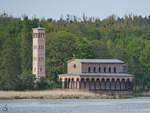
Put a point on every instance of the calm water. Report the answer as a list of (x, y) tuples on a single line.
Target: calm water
[(135, 105)]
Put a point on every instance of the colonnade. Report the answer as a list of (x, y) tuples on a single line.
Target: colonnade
[(108, 84)]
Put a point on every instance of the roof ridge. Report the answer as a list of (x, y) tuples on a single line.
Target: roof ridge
[(100, 60)]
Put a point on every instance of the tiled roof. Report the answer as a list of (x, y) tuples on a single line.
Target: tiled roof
[(99, 74), (99, 61)]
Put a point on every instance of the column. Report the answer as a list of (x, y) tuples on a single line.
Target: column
[(69, 83), (63, 83), (72, 83), (75, 84), (78, 84)]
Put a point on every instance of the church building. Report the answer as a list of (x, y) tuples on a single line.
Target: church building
[(90, 74), (97, 75)]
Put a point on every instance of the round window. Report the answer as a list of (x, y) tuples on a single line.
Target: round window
[(74, 65)]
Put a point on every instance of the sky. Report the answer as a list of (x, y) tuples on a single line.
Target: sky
[(57, 8)]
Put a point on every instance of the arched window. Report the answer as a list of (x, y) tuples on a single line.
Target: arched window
[(43, 35), (104, 69), (38, 35), (94, 70), (89, 69), (109, 69), (40, 69), (114, 69), (99, 69)]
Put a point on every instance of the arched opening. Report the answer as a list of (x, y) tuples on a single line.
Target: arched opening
[(94, 70), (128, 85), (109, 69), (107, 84), (114, 69), (97, 85), (39, 35), (60, 83), (43, 35), (89, 69), (66, 83), (99, 69), (118, 85), (87, 82), (103, 84), (104, 69), (123, 85), (92, 84), (82, 84), (113, 84)]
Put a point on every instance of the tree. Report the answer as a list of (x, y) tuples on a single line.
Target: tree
[(44, 83), (60, 47), (83, 49), (10, 64), (26, 45), (100, 50), (26, 81)]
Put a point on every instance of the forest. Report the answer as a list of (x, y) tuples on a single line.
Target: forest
[(126, 38)]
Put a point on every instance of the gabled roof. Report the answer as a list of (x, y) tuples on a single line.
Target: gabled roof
[(99, 74), (99, 61)]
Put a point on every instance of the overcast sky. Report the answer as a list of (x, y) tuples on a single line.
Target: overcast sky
[(56, 8)]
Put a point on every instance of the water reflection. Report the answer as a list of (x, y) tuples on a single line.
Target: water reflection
[(135, 105)]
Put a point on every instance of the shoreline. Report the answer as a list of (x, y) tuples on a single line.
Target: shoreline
[(61, 94)]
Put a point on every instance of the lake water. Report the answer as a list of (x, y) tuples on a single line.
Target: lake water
[(134, 105)]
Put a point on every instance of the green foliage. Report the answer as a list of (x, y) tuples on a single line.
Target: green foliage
[(10, 65), (100, 50), (126, 38), (26, 45), (44, 83), (60, 47), (25, 81)]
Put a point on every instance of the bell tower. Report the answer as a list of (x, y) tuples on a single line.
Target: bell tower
[(38, 61)]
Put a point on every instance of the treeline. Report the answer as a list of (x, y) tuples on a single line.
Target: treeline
[(126, 38)]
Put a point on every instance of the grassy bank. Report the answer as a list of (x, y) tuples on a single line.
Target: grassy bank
[(58, 94), (142, 94)]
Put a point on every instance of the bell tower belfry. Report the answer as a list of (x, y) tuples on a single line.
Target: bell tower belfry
[(38, 61)]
